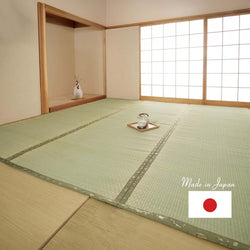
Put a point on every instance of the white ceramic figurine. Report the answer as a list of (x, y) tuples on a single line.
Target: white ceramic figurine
[(77, 90)]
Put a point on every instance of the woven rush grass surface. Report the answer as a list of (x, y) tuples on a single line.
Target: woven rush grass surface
[(90, 149), (21, 135), (208, 143), (96, 153)]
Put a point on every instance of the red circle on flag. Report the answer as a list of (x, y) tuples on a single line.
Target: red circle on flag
[(209, 205)]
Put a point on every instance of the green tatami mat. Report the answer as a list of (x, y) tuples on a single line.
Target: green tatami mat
[(103, 156), (90, 149), (208, 142), (18, 136)]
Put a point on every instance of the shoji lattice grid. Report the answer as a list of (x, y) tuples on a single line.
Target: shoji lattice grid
[(172, 60), (228, 58)]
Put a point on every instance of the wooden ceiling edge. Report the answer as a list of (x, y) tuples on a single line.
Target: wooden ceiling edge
[(81, 22), (60, 13), (179, 19)]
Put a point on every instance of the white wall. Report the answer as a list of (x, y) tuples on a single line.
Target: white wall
[(89, 59), (19, 69), (19, 57), (123, 63), (132, 11), (61, 60)]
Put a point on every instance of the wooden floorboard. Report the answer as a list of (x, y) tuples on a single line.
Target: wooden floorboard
[(100, 226), (32, 210)]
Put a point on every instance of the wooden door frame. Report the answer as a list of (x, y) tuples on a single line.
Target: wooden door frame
[(43, 10)]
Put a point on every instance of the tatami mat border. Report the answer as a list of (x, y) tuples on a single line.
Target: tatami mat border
[(140, 172), (12, 157)]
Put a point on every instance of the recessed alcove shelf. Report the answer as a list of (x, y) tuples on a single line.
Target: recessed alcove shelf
[(63, 102), (69, 46)]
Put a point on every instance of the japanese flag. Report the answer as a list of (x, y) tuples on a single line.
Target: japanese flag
[(209, 204)]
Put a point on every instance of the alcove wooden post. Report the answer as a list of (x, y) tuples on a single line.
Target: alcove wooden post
[(43, 58)]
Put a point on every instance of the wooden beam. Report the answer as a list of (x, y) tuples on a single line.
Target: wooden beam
[(63, 21), (139, 63), (80, 25), (104, 64), (59, 21), (43, 58), (181, 19), (57, 12)]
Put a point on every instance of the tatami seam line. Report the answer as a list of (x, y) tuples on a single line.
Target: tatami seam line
[(128, 189), (12, 157)]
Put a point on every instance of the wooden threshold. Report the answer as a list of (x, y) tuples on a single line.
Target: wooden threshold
[(194, 101), (228, 104), (176, 100), (72, 103)]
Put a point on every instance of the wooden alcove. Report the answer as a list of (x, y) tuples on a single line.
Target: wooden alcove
[(49, 14)]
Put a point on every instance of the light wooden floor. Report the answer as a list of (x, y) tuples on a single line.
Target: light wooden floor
[(100, 226), (33, 215), (32, 210)]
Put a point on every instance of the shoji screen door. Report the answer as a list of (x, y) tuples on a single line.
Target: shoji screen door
[(172, 60), (200, 61), (228, 58)]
